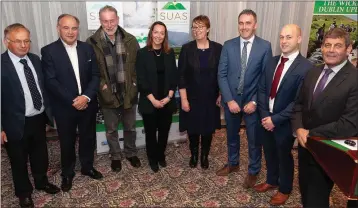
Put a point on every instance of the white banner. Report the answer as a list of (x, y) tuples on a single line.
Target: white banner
[(93, 10)]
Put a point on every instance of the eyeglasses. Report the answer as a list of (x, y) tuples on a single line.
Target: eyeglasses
[(19, 42), (198, 28)]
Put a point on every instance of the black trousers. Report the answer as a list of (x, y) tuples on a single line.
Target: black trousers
[(33, 146), (315, 185), (205, 143), (66, 127), (158, 121)]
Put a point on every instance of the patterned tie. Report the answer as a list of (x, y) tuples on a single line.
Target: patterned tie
[(277, 77), (35, 94), (322, 82), (243, 68)]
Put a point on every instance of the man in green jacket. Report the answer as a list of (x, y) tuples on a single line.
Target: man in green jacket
[(116, 52)]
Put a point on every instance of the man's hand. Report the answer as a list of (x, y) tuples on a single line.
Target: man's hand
[(104, 87), (218, 101), (233, 106), (164, 101), (267, 123), (250, 107), (80, 102), (157, 104), (185, 105), (302, 135), (3, 137)]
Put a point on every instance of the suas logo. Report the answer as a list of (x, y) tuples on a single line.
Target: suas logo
[(173, 6)]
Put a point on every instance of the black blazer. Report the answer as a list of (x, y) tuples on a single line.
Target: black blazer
[(286, 96), (147, 78), (13, 99), (334, 112), (60, 79)]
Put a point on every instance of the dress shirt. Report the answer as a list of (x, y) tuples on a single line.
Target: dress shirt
[(335, 70), (287, 65), (19, 67), (249, 46)]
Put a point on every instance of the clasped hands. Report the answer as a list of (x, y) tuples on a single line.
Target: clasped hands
[(249, 108), (80, 102), (160, 103)]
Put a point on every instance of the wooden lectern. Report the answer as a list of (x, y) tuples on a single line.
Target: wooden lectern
[(339, 162)]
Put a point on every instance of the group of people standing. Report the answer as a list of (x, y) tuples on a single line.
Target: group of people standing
[(278, 98)]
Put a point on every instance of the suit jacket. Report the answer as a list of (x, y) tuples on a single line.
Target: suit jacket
[(189, 79), (286, 94), (13, 99), (334, 112), (230, 69), (147, 78), (60, 79)]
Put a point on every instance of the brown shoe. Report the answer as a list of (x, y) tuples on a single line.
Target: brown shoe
[(250, 181), (279, 199), (226, 170), (263, 187)]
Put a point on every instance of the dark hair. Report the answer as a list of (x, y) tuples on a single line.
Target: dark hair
[(165, 44), (67, 15), (248, 12), (202, 19), (13, 27), (337, 33)]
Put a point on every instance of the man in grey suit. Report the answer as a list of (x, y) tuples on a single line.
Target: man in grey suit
[(241, 63)]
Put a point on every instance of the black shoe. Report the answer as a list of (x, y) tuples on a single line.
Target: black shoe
[(26, 202), (66, 184), (49, 188), (134, 161), (204, 161), (193, 161), (93, 174), (116, 165), (154, 166), (163, 163)]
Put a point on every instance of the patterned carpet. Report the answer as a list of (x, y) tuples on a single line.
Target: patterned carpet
[(174, 186)]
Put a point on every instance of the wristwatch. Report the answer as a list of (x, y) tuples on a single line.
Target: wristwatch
[(253, 102)]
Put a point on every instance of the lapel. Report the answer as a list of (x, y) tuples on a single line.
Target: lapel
[(313, 82), (293, 66), (81, 63), (255, 47), (211, 54), (332, 85), (271, 74), (196, 60), (237, 50), (10, 69), (66, 61), (152, 70)]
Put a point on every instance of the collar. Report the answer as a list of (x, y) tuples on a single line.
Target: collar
[(251, 40), (292, 56), (336, 69), (15, 58), (69, 46)]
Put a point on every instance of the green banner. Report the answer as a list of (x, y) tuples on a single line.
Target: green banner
[(336, 7)]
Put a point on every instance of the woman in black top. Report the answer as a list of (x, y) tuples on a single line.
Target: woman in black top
[(157, 81), (199, 91)]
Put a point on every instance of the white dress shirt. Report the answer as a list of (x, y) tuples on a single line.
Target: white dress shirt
[(248, 47), (72, 54), (335, 70), (287, 65), (19, 67)]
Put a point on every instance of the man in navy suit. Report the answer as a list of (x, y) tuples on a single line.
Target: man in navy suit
[(278, 89), (72, 80), (24, 112), (241, 63)]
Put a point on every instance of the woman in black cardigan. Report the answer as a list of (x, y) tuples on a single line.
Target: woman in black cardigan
[(157, 81), (199, 91)]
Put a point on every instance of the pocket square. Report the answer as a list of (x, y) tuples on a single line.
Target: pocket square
[(89, 60)]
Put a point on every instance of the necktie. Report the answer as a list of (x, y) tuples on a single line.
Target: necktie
[(35, 94), (243, 68), (277, 77), (322, 83)]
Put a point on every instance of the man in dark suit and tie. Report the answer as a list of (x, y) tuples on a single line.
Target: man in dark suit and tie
[(24, 108), (72, 80), (241, 63), (278, 89), (327, 106)]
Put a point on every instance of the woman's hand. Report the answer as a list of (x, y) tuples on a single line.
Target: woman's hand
[(164, 101), (185, 105), (218, 101), (157, 104)]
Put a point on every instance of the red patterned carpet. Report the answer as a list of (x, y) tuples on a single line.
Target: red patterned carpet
[(174, 186)]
